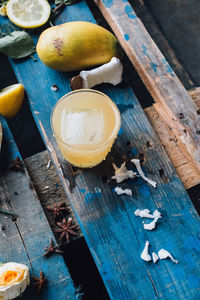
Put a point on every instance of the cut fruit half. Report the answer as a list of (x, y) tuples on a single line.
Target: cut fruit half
[(28, 13), (11, 99)]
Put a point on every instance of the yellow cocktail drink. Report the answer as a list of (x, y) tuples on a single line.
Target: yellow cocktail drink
[(85, 123)]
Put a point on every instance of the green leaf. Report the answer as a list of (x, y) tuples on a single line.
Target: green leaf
[(67, 2), (17, 44)]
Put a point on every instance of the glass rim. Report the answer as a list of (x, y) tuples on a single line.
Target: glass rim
[(91, 147)]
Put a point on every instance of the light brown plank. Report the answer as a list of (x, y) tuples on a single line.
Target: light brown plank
[(183, 165), (166, 89)]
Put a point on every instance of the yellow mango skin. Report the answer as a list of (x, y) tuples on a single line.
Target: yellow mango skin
[(76, 45)]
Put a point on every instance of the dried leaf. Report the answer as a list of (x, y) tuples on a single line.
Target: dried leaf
[(17, 44)]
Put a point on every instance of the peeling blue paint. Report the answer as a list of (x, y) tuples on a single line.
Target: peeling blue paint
[(144, 190), (153, 66), (144, 49), (123, 107), (89, 197), (120, 131), (164, 60), (179, 273), (107, 270), (134, 151), (108, 3), (189, 260), (82, 190), (169, 70), (129, 11), (193, 281), (126, 36), (192, 242)]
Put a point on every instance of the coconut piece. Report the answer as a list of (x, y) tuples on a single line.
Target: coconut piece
[(143, 213), (15, 284), (110, 72), (120, 191), (163, 254), (122, 173), (139, 169), (145, 254), (155, 257), (152, 225)]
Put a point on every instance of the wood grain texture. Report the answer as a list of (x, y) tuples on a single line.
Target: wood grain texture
[(24, 240), (48, 187), (114, 235), (156, 73), (181, 162)]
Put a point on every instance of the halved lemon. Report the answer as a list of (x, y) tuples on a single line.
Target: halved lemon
[(28, 13), (11, 99)]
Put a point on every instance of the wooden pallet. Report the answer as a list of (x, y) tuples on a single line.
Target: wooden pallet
[(23, 239), (114, 235)]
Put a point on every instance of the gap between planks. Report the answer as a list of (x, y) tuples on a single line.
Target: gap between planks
[(179, 158)]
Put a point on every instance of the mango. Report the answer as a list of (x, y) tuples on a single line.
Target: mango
[(76, 45)]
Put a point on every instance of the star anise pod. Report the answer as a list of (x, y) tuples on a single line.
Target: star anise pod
[(57, 210), (17, 165), (66, 228), (51, 249), (40, 282)]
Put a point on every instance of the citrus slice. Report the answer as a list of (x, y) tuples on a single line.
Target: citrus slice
[(11, 99), (28, 13)]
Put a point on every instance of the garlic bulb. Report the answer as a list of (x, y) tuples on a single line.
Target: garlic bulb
[(14, 279)]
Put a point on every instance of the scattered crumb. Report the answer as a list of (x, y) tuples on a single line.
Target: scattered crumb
[(152, 225), (120, 191), (163, 254), (155, 257), (49, 164), (143, 213), (122, 173), (139, 169), (54, 88)]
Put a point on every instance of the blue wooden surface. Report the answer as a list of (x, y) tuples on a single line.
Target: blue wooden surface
[(24, 241), (114, 235)]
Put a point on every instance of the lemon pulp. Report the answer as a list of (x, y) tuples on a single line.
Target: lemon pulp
[(28, 13)]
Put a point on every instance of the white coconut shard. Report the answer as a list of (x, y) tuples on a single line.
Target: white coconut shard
[(152, 225), (139, 169), (155, 257), (120, 191), (122, 173), (163, 254), (157, 214), (143, 213), (145, 253), (49, 164), (110, 72)]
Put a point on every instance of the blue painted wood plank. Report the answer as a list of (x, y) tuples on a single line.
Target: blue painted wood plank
[(114, 235), (24, 241), (158, 76)]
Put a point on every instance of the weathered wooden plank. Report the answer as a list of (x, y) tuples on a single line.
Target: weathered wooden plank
[(144, 13), (180, 161), (48, 187), (24, 239), (114, 235), (157, 75)]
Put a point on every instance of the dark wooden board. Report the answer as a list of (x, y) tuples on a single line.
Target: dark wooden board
[(114, 235), (24, 240)]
